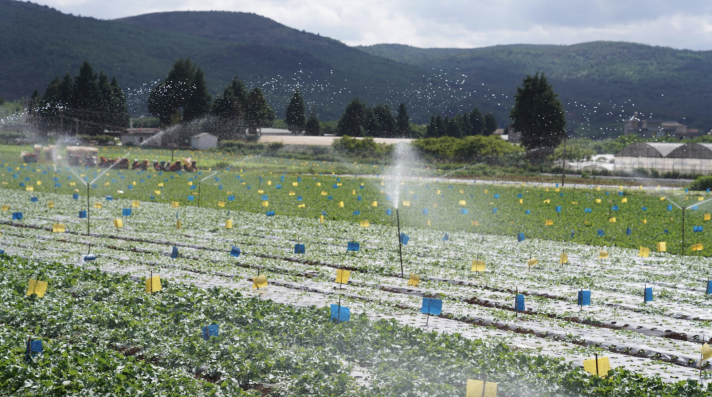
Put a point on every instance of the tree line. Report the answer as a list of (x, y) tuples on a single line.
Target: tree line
[(461, 125)]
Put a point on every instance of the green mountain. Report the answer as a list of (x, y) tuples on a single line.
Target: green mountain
[(600, 82)]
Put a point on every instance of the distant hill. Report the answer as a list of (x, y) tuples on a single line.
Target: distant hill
[(39, 42), (670, 84)]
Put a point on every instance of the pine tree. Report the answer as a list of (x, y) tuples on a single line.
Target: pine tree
[(440, 126), (118, 108), (538, 115), (258, 113), (313, 127), (352, 120), (403, 122), (171, 96), (228, 111), (295, 114), (197, 104), (476, 122), (86, 101), (386, 121), (432, 130), (465, 125), (490, 124), (452, 128)]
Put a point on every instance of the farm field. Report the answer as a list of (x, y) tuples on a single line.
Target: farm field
[(536, 350)]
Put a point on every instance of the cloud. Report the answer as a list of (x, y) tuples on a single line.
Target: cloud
[(456, 23)]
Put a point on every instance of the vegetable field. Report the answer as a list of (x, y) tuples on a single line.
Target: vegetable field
[(478, 249)]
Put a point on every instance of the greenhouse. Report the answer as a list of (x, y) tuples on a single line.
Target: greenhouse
[(694, 158)]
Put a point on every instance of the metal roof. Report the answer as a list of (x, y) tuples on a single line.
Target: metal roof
[(648, 149)]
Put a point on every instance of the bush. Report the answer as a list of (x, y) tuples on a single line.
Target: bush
[(365, 147), (701, 183), (469, 149)]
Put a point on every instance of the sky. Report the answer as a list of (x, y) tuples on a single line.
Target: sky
[(682, 24)]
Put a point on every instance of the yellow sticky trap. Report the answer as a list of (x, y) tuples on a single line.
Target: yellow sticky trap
[(160, 184), (612, 220), (474, 223), (706, 352), (259, 281), (292, 194), (662, 198), (700, 198), (190, 183), (557, 190), (598, 201), (438, 192), (133, 183), (364, 223), (260, 191), (295, 183), (39, 183), (662, 246), (532, 262), (269, 183), (548, 222), (564, 258), (435, 205), (153, 284), (37, 287), (478, 388), (697, 247), (602, 254), (374, 204), (107, 183), (574, 202), (406, 203), (645, 221), (547, 201), (353, 192), (5, 208), (521, 201), (178, 224), (97, 206), (30, 189), (707, 217), (478, 266), (428, 223), (485, 191), (265, 204), (342, 276), (414, 280), (321, 218), (175, 204), (601, 369), (463, 202), (58, 228), (324, 193), (625, 200), (319, 183), (228, 224), (221, 204), (135, 204), (644, 252), (50, 204), (598, 188), (302, 206), (118, 223), (341, 204)]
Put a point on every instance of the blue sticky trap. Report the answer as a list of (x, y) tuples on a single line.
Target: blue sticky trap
[(220, 187), (432, 306), (669, 207), (389, 212), (644, 208), (329, 197), (614, 208), (130, 187), (113, 181), (335, 186), (82, 214), (174, 252), (520, 237), (620, 193), (709, 287), (519, 195), (425, 211), (269, 213), (600, 233), (694, 208), (557, 185), (697, 229), (584, 298), (388, 198), (519, 303), (494, 210), (607, 194), (446, 237), (57, 184), (648, 296), (265, 197), (89, 257), (352, 246), (358, 198), (527, 212), (463, 211), (33, 199), (191, 198), (357, 212), (109, 198), (561, 195), (231, 198), (558, 208), (340, 314), (299, 179), (235, 251), (496, 196), (299, 198), (22, 184), (299, 249), (665, 231), (572, 234), (249, 187), (193, 187), (404, 238), (628, 231), (587, 210), (210, 331), (2, 252), (152, 197), (17, 216), (278, 186), (360, 187), (323, 213), (126, 212), (33, 349)]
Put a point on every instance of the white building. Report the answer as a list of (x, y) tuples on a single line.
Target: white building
[(204, 141), (137, 136)]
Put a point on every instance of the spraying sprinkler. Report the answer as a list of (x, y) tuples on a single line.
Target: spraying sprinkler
[(400, 243)]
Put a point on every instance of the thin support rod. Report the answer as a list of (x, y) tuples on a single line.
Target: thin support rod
[(400, 243)]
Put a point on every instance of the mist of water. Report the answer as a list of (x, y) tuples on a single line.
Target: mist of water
[(406, 162)]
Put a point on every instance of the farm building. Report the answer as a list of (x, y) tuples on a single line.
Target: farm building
[(693, 158), (137, 136), (204, 141)]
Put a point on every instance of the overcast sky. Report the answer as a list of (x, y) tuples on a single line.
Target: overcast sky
[(454, 23)]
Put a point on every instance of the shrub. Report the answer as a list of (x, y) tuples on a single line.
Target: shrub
[(365, 147), (467, 149), (701, 183)]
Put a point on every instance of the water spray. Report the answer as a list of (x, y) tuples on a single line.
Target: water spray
[(400, 242)]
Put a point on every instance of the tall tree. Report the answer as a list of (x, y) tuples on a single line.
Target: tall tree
[(432, 130), (313, 127), (403, 122), (228, 111), (197, 104), (386, 121), (476, 122), (258, 113), (295, 113), (538, 115), (352, 120), (490, 124), (440, 126), (183, 92)]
